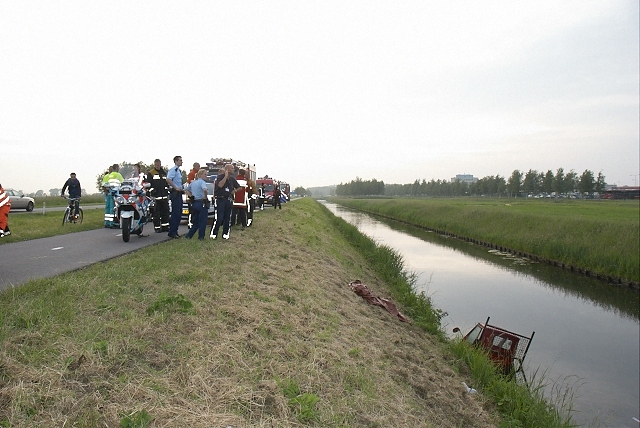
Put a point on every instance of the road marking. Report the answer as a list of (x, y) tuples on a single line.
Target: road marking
[(57, 248)]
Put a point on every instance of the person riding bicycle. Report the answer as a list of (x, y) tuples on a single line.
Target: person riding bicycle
[(73, 184)]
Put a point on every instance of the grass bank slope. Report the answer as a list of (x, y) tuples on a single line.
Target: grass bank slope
[(602, 237), (261, 330)]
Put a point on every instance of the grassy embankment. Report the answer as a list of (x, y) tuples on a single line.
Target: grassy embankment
[(27, 226), (260, 330), (601, 237)]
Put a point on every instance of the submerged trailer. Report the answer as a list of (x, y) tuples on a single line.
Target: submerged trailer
[(506, 349)]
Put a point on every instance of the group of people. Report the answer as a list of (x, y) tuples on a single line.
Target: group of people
[(163, 187), (232, 196)]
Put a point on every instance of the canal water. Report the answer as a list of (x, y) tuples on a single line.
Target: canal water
[(587, 333)]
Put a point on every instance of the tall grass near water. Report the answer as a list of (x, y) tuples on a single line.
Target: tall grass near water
[(602, 237)]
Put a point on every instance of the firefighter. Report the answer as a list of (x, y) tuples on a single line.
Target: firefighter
[(277, 194), (240, 201), (159, 191), (262, 195), (252, 195), (5, 206)]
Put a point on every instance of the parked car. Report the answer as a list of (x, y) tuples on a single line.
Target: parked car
[(19, 201)]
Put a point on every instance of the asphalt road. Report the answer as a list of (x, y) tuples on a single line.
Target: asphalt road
[(47, 257)]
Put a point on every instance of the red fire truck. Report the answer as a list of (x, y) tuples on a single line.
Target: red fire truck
[(285, 189), (270, 185)]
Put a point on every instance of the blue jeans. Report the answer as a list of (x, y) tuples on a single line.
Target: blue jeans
[(199, 219), (176, 213), (223, 215)]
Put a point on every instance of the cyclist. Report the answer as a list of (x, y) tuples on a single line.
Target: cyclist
[(74, 193)]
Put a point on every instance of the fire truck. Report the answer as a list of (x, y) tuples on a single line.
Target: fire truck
[(270, 185), (285, 189), (213, 167)]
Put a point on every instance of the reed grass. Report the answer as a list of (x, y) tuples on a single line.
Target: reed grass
[(520, 404)]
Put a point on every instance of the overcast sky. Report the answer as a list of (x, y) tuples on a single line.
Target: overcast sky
[(319, 92)]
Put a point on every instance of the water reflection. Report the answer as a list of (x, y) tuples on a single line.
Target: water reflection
[(587, 332), (609, 297)]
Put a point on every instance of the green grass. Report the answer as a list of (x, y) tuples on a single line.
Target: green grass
[(27, 226), (205, 339), (57, 201), (600, 236)]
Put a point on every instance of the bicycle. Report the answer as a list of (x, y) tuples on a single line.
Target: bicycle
[(69, 215)]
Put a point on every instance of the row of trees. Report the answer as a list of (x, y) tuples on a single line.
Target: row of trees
[(359, 187), (534, 182), (518, 184)]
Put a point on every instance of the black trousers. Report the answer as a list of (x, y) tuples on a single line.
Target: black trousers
[(161, 214)]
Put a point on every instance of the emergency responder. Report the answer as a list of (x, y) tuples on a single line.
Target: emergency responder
[(253, 193), (174, 179), (224, 188), (240, 201), (277, 194), (262, 195), (5, 207), (111, 180), (197, 189), (190, 177), (159, 191)]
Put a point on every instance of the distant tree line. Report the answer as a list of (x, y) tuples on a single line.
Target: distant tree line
[(518, 184), (360, 187)]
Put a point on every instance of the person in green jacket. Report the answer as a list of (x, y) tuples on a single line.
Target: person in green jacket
[(111, 179)]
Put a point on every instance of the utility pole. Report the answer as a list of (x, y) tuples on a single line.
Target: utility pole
[(635, 179)]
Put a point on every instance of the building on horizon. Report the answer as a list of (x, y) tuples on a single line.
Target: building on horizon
[(464, 178)]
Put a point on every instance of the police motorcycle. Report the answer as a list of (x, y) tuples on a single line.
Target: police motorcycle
[(133, 207)]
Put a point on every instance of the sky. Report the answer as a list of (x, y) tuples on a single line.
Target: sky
[(319, 93)]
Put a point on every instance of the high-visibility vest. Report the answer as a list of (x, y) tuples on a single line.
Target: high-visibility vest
[(4, 199)]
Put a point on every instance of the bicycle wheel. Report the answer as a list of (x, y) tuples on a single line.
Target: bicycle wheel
[(80, 216), (65, 218)]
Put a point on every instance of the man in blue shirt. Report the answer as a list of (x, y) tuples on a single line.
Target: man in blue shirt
[(198, 190), (174, 179)]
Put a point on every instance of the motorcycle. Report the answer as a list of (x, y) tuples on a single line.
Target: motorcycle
[(132, 207)]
